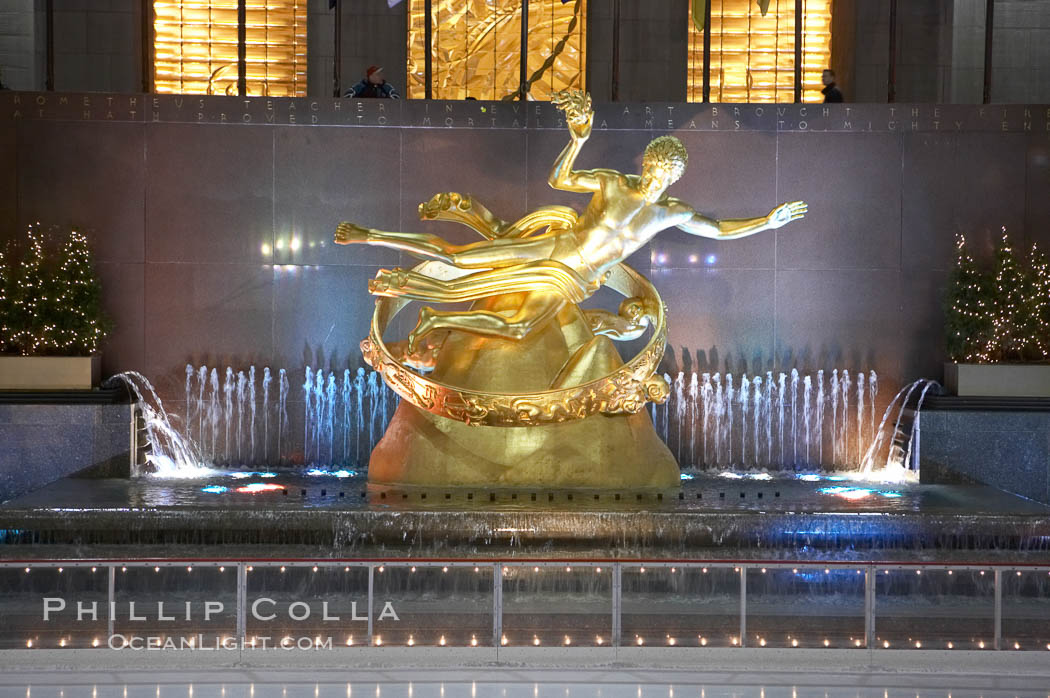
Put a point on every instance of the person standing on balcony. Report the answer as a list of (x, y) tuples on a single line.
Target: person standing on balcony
[(831, 91), (374, 85)]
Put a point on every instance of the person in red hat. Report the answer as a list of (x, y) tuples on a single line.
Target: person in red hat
[(374, 85)]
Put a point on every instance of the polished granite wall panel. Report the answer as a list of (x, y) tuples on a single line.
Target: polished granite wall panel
[(123, 299), (839, 318), (325, 175), (209, 193), (36, 453), (1009, 450), (8, 181), (1037, 194), (489, 164), (852, 183), (730, 175), (972, 184), (320, 315), (214, 314), (723, 318), (920, 323), (85, 175)]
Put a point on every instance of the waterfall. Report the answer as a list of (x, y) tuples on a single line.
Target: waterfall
[(241, 396), (228, 389), (347, 388), (807, 384), (266, 414), (820, 416), (794, 416), (282, 409), (251, 406), (745, 403)]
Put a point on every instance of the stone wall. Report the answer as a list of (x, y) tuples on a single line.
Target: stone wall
[(213, 235), (1008, 450), (44, 442)]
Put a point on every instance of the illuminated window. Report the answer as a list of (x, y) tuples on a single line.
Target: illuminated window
[(476, 48), (195, 47), (753, 56)]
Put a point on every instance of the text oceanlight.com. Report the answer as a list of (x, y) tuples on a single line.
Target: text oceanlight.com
[(199, 643)]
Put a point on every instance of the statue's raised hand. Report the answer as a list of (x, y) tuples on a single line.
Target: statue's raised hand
[(785, 213), (348, 233), (578, 112)]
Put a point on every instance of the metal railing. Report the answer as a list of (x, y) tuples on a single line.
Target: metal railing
[(507, 576)]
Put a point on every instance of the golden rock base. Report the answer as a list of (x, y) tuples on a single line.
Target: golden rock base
[(425, 450)]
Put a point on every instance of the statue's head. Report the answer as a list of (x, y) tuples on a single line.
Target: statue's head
[(662, 164)]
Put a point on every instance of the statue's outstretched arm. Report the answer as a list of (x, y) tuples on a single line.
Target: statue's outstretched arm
[(729, 228), (579, 116)]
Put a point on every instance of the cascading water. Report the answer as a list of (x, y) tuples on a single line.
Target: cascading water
[(222, 425), (172, 453), (776, 421)]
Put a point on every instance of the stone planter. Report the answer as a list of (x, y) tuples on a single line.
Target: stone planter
[(49, 372), (999, 380)]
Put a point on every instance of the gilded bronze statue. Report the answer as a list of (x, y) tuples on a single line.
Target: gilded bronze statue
[(525, 356)]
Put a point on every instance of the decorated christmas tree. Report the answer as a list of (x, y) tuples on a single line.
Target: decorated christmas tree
[(1040, 301), (1001, 316), (51, 299), (5, 306), (79, 323), (968, 302)]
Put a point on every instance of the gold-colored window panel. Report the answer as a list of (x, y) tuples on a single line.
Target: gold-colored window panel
[(195, 47), (753, 56), (476, 48)]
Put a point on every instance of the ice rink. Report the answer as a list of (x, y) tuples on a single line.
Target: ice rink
[(518, 683)]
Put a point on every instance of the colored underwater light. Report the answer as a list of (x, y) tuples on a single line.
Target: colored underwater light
[(243, 475), (260, 487), (851, 493), (890, 495), (688, 476), (215, 489), (809, 477), (322, 472)]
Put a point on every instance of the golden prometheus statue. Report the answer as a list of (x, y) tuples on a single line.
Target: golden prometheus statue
[(525, 389)]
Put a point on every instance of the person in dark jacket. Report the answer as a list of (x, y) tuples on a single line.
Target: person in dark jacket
[(374, 85), (831, 91)]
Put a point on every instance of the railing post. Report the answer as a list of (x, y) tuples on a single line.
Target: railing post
[(242, 603), (497, 605), (371, 586), (523, 58), (989, 31), (242, 48), (869, 606), (112, 596), (617, 601), (998, 609), (743, 605), (800, 20), (428, 39)]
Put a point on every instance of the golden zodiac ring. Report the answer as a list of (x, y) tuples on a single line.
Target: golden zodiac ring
[(624, 391)]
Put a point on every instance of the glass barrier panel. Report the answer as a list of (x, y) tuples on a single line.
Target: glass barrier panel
[(303, 606), (175, 607), (557, 605), (680, 606), (53, 607), (433, 605), (1026, 610), (805, 607), (939, 609)]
